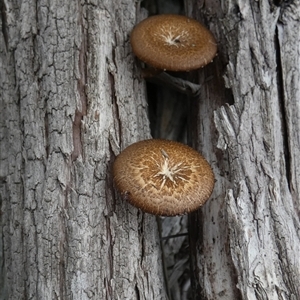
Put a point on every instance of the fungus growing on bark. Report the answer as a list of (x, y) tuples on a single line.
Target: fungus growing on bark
[(163, 177), (173, 43)]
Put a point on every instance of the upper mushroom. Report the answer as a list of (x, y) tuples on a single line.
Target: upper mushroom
[(163, 177), (173, 43)]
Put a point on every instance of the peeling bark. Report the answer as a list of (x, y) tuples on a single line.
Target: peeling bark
[(249, 243)]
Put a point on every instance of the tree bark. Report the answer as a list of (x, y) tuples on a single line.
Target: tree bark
[(71, 100), (245, 241)]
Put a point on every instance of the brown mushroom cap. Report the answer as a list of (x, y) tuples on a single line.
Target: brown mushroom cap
[(163, 177), (173, 43)]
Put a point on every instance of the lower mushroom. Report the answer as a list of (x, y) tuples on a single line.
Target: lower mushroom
[(163, 177)]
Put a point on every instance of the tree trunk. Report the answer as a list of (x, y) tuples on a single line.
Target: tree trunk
[(245, 241), (71, 100)]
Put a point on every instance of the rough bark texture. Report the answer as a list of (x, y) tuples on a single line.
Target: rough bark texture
[(69, 103), (71, 99), (246, 240)]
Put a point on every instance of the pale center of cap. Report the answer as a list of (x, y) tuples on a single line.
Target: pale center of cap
[(169, 171), (171, 37)]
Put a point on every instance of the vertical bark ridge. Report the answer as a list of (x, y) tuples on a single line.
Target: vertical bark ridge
[(287, 38)]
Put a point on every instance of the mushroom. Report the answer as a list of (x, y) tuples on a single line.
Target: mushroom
[(173, 43), (163, 177)]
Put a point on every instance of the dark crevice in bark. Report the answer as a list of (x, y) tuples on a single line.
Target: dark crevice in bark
[(4, 22), (115, 107), (81, 84), (111, 73), (110, 194), (140, 217), (111, 206), (63, 244), (2, 270), (280, 85), (283, 3), (110, 256), (137, 292), (46, 126), (168, 118), (195, 239), (165, 272), (169, 114), (77, 144)]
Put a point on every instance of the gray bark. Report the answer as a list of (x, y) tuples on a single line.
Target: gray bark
[(248, 124), (71, 99)]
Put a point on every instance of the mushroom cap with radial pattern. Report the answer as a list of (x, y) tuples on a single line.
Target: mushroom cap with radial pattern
[(173, 43), (163, 177)]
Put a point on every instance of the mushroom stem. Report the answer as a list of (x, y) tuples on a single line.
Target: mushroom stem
[(174, 236), (180, 85)]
